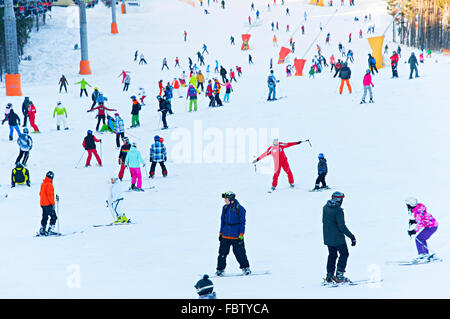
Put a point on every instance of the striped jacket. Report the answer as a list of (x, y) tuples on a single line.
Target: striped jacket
[(158, 152)]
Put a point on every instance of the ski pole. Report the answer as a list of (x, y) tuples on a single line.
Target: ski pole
[(80, 159), (307, 141), (57, 212)]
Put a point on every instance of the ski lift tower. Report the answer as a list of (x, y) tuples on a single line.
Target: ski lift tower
[(84, 63), (12, 76)]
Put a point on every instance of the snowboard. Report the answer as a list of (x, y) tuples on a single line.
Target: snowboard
[(253, 273)]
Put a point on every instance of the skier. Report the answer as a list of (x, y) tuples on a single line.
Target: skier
[(232, 76), (123, 74), (142, 95), (31, 116), (372, 63), (133, 160), (158, 154), (119, 128), (209, 94), (168, 95), (101, 115), (200, 80), (164, 107), (13, 121), (334, 232), (61, 116), (413, 65), (275, 41), (115, 201), (126, 82), (426, 225), (303, 29), (232, 40), (192, 95), (177, 62), (25, 143), (272, 83), (136, 55), (176, 87), (322, 170), (94, 97), (47, 202), (204, 49), (83, 84), (368, 85), (205, 287), (217, 87), (161, 86), (394, 63), (332, 62), (345, 74), (223, 74), (228, 90), (26, 102), (63, 83), (399, 50), (421, 57), (280, 160), (142, 59), (164, 64), (136, 107), (250, 60), (232, 230), (185, 36), (239, 70), (20, 175), (89, 145), (122, 155)]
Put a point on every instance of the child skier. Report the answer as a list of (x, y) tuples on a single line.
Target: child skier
[(115, 201), (25, 143), (20, 175), (228, 90), (13, 121), (192, 95), (142, 95), (322, 170), (426, 226)]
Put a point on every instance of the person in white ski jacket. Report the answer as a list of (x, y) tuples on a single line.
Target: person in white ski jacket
[(142, 95), (115, 201)]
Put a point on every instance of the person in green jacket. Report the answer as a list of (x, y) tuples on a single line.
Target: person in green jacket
[(61, 116), (83, 84), (133, 161)]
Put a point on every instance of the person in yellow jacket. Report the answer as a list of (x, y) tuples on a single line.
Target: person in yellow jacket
[(200, 80), (20, 175), (83, 84)]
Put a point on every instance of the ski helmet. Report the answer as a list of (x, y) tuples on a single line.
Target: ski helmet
[(59, 103), (25, 130), (116, 114), (50, 174), (133, 97), (133, 144), (9, 105), (338, 196), (204, 286), (125, 139), (321, 155), (89, 132), (19, 165), (230, 195), (411, 202), (158, 97), (367, 71), (157, 138)]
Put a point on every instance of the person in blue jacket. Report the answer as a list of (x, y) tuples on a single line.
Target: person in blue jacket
[(372, 63), (322, 170), (272, 83), (232, 229)]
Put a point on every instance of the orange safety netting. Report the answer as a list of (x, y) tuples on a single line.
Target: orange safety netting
[(299, 64), (245, 39), (283, 54), (376, 43), (316, 2)]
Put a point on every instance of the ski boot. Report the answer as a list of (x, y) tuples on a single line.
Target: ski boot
[(362, 101), (340, 279), (328, 280), (66, 128), (132, 188), (220, 272), (42, 231), (422, 258), (272, 188), (57, 127), (139, 189), (292, 185), (246, 271), (51, 230)]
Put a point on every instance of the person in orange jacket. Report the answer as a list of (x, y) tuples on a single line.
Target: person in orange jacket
[(176, 87), (47, 202), (275, 41)]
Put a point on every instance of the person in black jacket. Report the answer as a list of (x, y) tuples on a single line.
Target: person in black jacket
[(413, 65), (14, 122), (223, 74), (334, 232), (322, 170), (345, 74), (163, 108), (25, 104)]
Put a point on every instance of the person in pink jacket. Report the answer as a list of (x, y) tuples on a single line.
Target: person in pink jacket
[(425, 223), (367, 83)]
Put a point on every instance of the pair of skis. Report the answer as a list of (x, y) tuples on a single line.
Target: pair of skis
[(430, 259), (350, 283)]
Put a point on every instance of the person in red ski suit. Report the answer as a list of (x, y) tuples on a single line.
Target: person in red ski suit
[(31, 116), (280, 160), (101, 115), (161, 87), (123, 74)]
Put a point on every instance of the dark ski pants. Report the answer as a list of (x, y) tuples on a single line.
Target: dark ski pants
[(153, 166), (211, 100), (48, 211), (321, 179), (62, 86), (100, 118), (25, 155), (118, 136), (412, 70), (163, 118), (25, 117), (125, 86), (238, 251), (200, 84), (394, 71), (372, 67), (81, 92), (421, 239), (333, 255), (218, 100)]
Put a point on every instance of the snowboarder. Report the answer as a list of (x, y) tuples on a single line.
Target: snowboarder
[(322, 170), (334, 232), (47, 202), (133, 161), (164, 107), (136, 107), (13, 121), (63, 83), (20, 175), (89, 145), (205, 287), (115, 201), (368, 85), (101, 115), (61, 116), (158, 154), (413, 65), (280, 160), (426, 225), (122, 155), (119, 128), (25, 143), (272, 83), (345, 74), (232, 230), (83, 84)]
